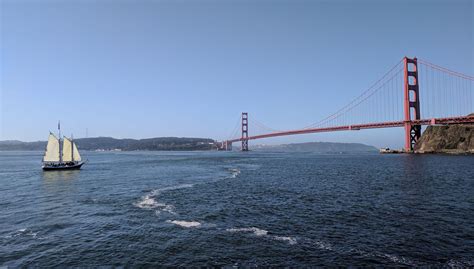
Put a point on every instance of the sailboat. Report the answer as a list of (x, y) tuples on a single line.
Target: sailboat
[(61, 154)]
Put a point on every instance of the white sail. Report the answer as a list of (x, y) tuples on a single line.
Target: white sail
[(67, 150), (52, 150), (76, 155)]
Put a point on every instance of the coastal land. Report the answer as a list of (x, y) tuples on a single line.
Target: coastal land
[(109, 143), (451, 139)]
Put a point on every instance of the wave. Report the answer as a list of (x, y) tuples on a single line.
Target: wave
[(390, 257), (26, 232), (395, 259), (148, 201), (288, 239), (263, 233), (322, 245), (185, 224), (235, 172), (460, 263), (22, 232), (255, 231)]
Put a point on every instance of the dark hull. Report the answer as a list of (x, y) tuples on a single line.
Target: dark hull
[(63, 167)]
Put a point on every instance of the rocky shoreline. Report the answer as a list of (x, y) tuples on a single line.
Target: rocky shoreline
[(452, 139)]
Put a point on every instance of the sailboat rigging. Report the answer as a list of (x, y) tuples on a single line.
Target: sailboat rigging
[(61, 153)]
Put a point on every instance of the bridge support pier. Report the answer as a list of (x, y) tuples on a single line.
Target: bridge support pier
[(245, 131), (411, 103)]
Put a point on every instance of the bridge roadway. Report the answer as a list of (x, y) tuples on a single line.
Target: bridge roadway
[(435, 121)]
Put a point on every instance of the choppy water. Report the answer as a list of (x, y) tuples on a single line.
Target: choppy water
[(238, 209)]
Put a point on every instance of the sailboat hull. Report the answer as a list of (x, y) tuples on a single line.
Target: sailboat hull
[(63, 166)]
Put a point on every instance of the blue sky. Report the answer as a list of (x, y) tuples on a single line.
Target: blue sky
[(140, 69)]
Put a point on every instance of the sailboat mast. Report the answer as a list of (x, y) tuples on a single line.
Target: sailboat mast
[(72, 148), (60, 145)]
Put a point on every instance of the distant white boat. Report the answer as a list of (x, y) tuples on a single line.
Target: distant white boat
[(61, 154)]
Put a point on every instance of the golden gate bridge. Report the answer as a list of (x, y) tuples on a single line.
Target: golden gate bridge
[(411, 94)]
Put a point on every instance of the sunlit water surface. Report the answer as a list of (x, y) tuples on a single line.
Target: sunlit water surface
[(238, 209)]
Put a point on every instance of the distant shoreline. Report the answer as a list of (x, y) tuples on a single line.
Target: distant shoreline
[(114, 144), (108, 144)]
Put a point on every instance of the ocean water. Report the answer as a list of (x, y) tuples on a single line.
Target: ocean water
[(238, 209)]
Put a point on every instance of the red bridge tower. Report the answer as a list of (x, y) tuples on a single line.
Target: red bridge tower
[(411, 103), (245, 131)]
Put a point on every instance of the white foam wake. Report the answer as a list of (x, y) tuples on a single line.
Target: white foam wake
[(185, 224), (255, 231), (391, 257), (288, 239), (235, 172), (22, 232), (263, 233), (396, 259), (148, 201), (323, 245)]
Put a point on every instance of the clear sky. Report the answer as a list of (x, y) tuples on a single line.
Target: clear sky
[(138, 69)]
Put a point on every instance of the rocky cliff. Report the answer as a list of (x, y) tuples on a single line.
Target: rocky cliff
[(457, 139)]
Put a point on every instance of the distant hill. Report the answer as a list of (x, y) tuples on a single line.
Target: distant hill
[(109, 143), (320, 147)]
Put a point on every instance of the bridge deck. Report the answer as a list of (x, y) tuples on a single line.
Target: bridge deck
[(435, 121)]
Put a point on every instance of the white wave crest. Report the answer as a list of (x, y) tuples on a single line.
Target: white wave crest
[(148, 201), (165, 208), (254, 230), (290, 240), (260, 232), (185, 224), (396, 259), (391, 257), (323, 245), (22, 232), (26, 232), (235, 172)]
